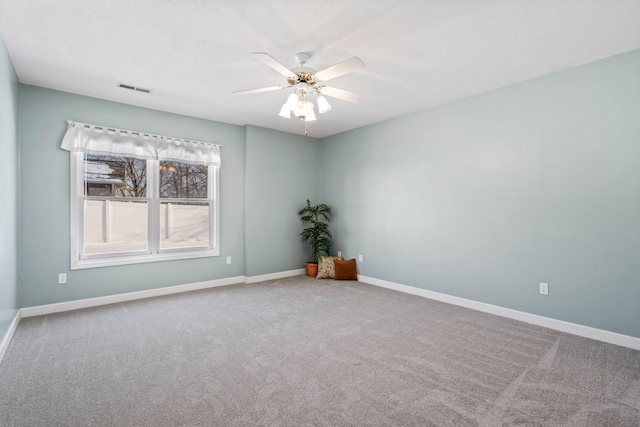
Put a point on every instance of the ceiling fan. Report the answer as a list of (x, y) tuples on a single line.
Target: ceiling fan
[(306, 81)]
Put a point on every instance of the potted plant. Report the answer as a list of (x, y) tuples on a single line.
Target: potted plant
[(316, 232)]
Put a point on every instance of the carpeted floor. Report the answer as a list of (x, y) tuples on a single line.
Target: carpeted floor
[(306, 352)]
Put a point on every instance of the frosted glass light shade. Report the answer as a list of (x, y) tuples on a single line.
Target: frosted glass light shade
[(323, 105), (292, 101), (311, 116), (285, 111), (303, 109)]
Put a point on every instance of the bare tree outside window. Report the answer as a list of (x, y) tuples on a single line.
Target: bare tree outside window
[(136, 177), (115, 176), (183, 180)]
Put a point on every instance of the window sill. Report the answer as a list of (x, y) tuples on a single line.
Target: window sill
[(140, 259)]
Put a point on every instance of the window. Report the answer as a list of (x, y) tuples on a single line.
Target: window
[(115, 207), (184, 205), (126, 209)]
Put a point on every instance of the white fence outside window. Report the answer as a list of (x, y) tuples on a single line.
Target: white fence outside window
[(115, 223)]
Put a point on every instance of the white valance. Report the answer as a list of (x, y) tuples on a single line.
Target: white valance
[(108, 141)]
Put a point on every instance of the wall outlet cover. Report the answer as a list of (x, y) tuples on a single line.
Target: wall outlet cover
[(544, 288)]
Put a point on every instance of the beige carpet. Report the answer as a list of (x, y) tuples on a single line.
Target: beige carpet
[(305, 352)]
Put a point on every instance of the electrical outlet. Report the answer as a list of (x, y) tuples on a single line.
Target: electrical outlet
[(62, 278), (228, 260), (544, 288), (360, 258), (339, 253)]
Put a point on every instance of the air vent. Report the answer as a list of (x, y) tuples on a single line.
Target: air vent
[(134, 88)]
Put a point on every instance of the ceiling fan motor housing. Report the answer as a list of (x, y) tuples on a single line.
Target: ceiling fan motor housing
[(303, 74), (303, 77)]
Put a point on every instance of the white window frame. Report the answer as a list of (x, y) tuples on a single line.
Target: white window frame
[(154, 253)]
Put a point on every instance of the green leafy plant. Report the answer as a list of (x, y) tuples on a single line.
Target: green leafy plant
[(316, 228)]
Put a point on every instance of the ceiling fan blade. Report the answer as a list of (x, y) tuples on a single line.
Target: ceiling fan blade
[(345, 95), (340, 69), (273, 63), (258, 90)]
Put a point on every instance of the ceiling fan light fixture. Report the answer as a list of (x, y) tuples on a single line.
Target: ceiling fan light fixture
[(285, 111), (303, 81), (323, 104)]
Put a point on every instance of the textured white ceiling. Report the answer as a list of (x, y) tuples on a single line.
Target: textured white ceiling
[(194, 53)]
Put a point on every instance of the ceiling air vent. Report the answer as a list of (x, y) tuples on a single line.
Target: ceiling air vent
[(134, 88)]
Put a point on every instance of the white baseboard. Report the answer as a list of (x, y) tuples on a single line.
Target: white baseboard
[(547, 322), (273, 276), (130, 296), (559, 325), (41, 310), (4, 344)]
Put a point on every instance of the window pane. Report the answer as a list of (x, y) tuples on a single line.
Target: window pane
[(112, 176), (184, 225), (114, 226), (182, 180)]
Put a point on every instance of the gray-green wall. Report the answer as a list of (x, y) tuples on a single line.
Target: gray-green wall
[(44, 178), (264, 173), (281, 172), (8, 191), (486, 197)]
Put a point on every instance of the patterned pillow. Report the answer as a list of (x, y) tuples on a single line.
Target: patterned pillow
[(326, 267)]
